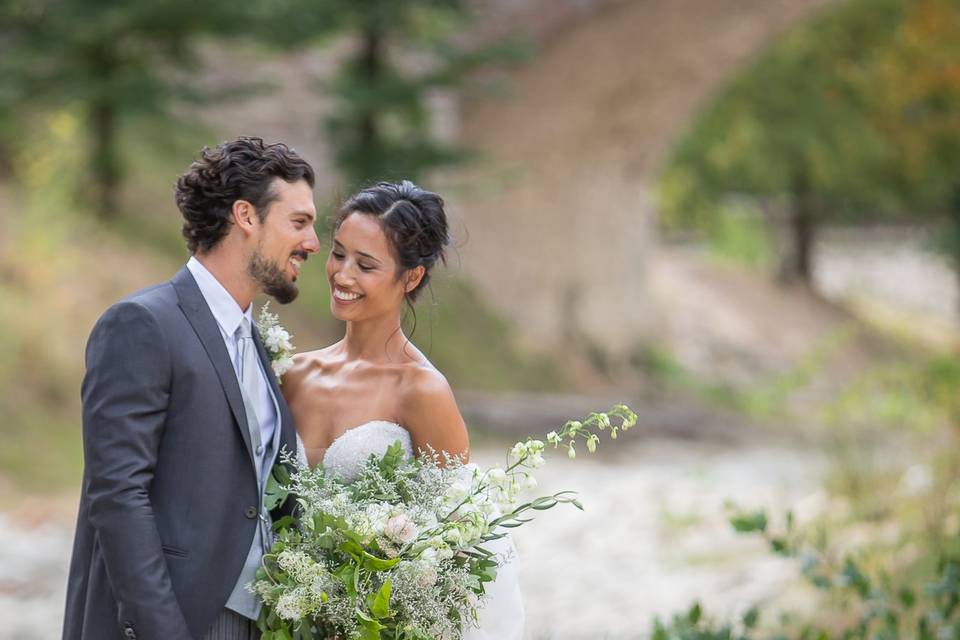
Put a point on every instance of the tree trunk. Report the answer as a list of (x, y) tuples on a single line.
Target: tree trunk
[(371, 66), (953, 245), (798, 264), (104, 161)]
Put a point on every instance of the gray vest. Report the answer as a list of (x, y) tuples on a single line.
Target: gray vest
[(241, 600)]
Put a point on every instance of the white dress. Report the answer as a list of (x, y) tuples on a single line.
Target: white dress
[(503, 616)]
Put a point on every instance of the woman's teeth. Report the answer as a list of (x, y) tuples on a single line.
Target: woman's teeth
[(345, 295)]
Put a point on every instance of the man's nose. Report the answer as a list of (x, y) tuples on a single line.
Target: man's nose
[(312, 243)]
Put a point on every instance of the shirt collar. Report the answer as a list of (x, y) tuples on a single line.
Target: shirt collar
[(224, 308)]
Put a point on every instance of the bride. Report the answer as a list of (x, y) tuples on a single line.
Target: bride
[(374, 387)]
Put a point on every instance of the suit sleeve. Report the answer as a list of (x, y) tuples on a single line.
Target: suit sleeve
[(125, 393)]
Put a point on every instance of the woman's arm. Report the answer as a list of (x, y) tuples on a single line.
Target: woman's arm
[(429, 412)]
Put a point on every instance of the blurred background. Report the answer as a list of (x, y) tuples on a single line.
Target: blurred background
[(740, 217)]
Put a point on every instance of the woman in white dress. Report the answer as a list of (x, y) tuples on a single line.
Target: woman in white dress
[(374, 387)]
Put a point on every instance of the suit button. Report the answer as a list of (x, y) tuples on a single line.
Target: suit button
[(250, 512), (128, 632)]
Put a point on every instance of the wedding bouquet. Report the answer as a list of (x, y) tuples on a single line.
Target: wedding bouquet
[(398, 553)]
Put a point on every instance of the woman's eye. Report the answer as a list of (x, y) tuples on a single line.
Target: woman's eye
[(366, 267), (338, 256)]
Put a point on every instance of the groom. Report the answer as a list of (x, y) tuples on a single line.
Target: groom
[(182, 416)]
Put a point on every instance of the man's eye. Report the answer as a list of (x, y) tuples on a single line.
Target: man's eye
[(338, 256)]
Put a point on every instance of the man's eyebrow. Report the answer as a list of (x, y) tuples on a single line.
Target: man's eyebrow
[(309, 214)]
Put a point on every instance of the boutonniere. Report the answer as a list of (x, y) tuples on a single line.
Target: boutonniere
[(276, 339)]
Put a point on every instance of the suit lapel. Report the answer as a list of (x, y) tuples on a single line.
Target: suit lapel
[(205, 325), (287, 431)]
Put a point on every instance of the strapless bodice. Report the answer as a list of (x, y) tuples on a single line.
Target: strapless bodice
[(351, 450)]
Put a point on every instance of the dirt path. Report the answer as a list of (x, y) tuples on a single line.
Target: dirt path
[(653, 538)]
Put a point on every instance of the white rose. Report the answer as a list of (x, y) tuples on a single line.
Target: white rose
[(400, 529)]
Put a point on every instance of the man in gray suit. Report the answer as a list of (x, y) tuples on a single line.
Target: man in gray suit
[(182, 415)]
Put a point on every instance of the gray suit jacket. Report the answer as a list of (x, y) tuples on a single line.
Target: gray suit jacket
[(169, 498)]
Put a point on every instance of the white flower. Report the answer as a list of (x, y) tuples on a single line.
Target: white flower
[(277, 339), (453, 536), (281, 366), (426, 574), (553, 438), (496, 475), (530, 483), (592, 443), (519, 451), (400, 528), (293, 605), (457, 492)]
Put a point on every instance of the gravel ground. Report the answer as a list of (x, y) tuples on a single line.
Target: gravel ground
[(653, 538)]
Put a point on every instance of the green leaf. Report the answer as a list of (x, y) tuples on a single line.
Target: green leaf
[(373, 563), (369, 628), (779, 546), (284, 523), (381, 602), (855, 578), (907, 597), (274, 494), (750, 522), (750, 618), (695, 613)]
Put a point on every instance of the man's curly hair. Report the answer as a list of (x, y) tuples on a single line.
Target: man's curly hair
[(241, 169)]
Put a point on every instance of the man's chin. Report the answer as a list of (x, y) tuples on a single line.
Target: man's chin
[(285, 294)]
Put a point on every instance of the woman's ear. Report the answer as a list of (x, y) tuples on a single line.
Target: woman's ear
[(413, 278)]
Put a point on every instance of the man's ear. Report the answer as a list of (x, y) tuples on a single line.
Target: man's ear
[(413, 278), (244, 216)]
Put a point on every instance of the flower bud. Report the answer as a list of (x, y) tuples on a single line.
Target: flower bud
[(496, 476), (571, 452)]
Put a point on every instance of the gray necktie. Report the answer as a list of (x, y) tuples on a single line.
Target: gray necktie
[(249, 371), (252, 382)]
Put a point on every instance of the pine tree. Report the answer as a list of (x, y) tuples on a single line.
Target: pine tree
[(404, 53)]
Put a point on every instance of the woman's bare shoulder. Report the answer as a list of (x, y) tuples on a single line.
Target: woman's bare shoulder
[(423, 381), (305, 363)]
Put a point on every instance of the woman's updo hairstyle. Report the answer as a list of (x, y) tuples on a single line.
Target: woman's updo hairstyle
[(413, 221)]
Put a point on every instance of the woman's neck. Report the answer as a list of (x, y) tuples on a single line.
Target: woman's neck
[(375, 340)]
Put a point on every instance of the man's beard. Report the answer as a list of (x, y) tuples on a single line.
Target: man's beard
[(271, 278)]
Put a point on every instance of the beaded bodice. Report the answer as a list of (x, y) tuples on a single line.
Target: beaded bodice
[(348, 453)]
